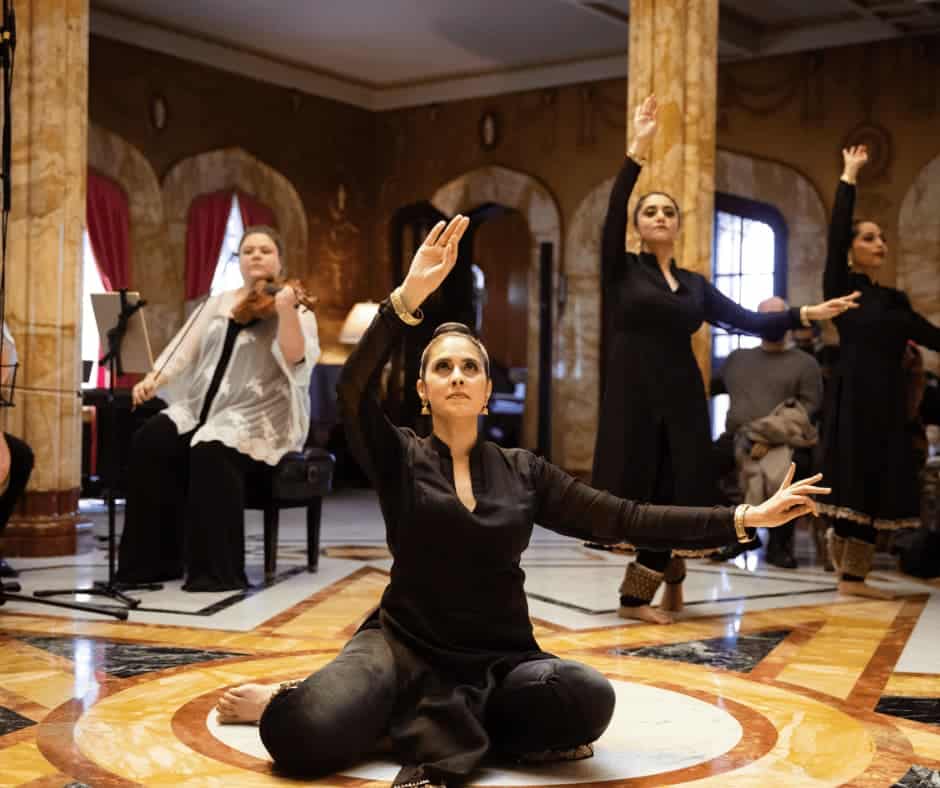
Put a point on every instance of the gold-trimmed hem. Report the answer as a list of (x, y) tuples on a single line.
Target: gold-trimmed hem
[(880, 524)]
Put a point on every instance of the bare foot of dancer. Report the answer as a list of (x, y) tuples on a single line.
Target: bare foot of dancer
[(672, 598), (651, 615), (245, 703), (860, 588)]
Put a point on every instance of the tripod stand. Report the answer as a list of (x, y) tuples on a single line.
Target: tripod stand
[(111, 588)]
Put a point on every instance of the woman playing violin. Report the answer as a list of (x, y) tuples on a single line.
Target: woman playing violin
[(238, 381)]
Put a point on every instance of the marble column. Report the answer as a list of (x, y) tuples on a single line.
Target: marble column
[(47, 219), (674, 54)]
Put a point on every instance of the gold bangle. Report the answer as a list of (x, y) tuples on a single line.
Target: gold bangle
[(641, 160), (739, 528), (409, 318), (804, 319)]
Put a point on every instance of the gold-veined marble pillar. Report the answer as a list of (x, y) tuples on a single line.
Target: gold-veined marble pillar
[(43, 294), (674, 54)]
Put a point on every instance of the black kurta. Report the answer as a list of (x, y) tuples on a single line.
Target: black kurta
[(455, 612), (653, 389), (868, 459)]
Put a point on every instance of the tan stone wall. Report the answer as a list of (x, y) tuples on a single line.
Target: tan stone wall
[(322, 149), (787, 117), (353, 170), (918, 248)]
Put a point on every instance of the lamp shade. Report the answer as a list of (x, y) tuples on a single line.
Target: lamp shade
[(357, 321)]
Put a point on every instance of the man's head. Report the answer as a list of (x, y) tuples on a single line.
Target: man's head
[(774, 304)]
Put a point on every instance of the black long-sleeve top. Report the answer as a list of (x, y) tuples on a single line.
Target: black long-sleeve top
[(455, 605), (653, 408), (869, 462)]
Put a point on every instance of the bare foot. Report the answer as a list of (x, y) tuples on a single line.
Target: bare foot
[(860, 588), (650, 615), (245, 703), (672, 598)]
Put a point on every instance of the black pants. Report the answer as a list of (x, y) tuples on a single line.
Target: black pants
[(21, 466), (185, 510), (339, 714), (664, 492)]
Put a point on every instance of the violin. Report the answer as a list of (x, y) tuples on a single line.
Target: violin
[(259, 304)]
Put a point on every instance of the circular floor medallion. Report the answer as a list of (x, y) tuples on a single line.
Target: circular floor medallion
[(653, 731)]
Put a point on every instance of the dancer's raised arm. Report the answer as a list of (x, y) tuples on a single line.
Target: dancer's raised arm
[(372, 437)]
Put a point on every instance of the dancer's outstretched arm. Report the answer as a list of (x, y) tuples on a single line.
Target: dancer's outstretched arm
[(575, 509)]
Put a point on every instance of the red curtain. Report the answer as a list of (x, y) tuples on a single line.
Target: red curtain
[(108, 219), (107, 216), (205, 232), (254, 212)]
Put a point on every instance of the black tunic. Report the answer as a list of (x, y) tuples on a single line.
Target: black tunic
[(868, 459), (455, 612), (653, 392)]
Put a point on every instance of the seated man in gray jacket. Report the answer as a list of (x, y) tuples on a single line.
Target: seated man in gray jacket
[(759, 380)]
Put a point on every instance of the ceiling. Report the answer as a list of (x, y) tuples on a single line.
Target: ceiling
[(383, 54)]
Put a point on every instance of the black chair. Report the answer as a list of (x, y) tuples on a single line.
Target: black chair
[(301, 478)]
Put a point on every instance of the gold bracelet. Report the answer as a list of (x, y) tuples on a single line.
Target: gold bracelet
[(739, 528), (409, 318), (804, 319), (641, 160)]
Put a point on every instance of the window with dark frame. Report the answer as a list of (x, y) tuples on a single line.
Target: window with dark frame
[(749, 265)]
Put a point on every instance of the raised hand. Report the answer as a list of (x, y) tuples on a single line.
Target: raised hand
[(833, 307), (433, 261), (792, 500), (854, 158), (644, 118)]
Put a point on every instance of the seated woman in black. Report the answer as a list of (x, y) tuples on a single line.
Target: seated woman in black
[(448, 667)]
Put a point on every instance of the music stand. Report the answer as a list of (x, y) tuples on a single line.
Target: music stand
[(123, 330)]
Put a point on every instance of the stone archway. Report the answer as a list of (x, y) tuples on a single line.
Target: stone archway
[(781, 186), (919, 247), (532, 199), (230, 168), (151, 272)]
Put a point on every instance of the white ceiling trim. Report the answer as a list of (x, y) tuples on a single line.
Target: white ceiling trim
[(198, 50)]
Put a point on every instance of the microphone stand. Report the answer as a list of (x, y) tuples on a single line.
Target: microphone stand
[(111, 588)]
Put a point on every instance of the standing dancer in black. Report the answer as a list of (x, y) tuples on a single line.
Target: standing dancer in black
[(868, 449), (653, 441), (448, 666)]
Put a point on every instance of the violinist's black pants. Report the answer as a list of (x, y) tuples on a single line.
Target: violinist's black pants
[(185, 510)]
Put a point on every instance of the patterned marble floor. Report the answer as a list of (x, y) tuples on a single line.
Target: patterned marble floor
[(769, 678)]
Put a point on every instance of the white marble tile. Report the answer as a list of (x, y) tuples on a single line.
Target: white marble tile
[(920, 653), (652, 731)]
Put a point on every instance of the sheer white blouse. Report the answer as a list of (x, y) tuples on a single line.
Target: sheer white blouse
[(262, 407)]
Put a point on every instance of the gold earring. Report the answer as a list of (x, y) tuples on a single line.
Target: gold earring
[(425, 410), (486, 408), (851, 260)]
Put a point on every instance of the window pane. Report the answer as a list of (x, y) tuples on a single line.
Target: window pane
[(756, 288), (228, 275), (720, 405), (746, 340), (728, 244), (757, 247)]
